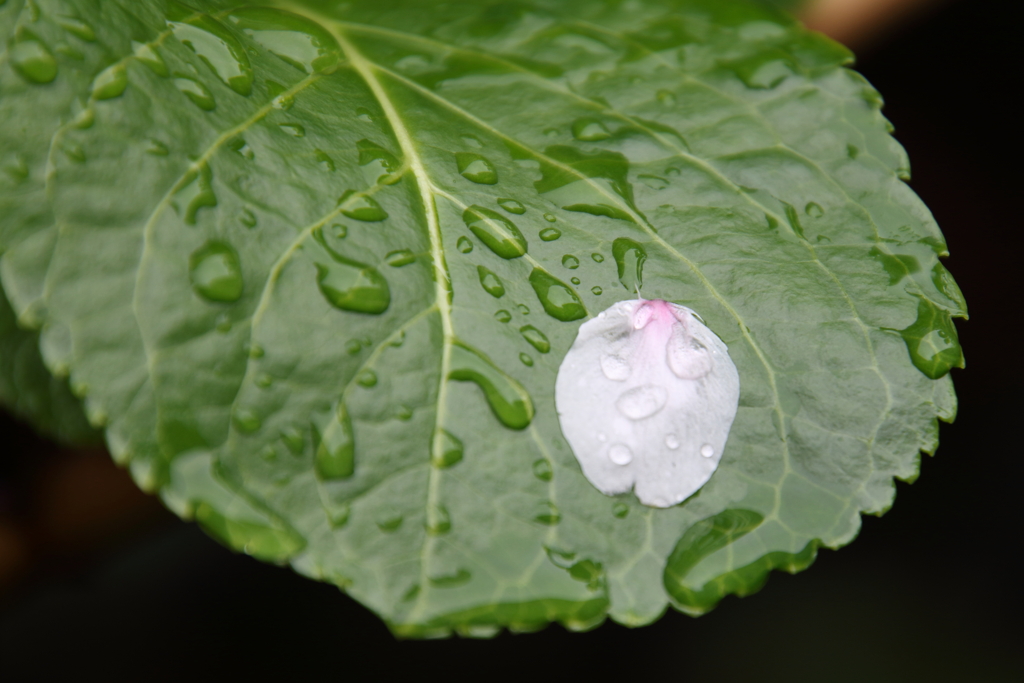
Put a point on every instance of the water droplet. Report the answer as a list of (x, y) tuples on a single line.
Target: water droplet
[(491, 283), (389, 524), (324, 159), (197, 192), (615, 367), (620, 510), (269, 453), (707, 450), (643, 401), (350, 285), (148, 55), (238, 144), (353, 346), (367, 378), (666, 98), (654, 182), (557, 298), (477, 168), (31, 58), (472, 141), (110, 83), (507, 398), (570, 262), (589, 130), (338, 516), (550, 234), (764, 70), (596, 291), (156, 148), (598, 258), (497, 232), (550, 217), (537, 339), (451, 581), (364, 114), (263, 380), (551, 132), (512, 206), (404, 413), (399, 258), (814, 210), (294, 440), (73, 151), (575, 280), (526, 360), (464, 245), (339, 231), (361, 207), (602, 437), (300, 42), (218, 48), (382, 166), (247, 421), (672, 441), (549, 515), (196, 91), (412, 593), (446, 449), (629, 262), (247, 218), (523, 309), (620, 454), (852, 151), (542, 469), (77, 27), (502, 316), (439, 521), (932, 341), (335, 444), (216, 272), (85, 119), (294, 129)]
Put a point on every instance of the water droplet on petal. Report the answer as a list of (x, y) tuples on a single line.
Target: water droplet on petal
[(620, 454), (589, 130), (195, 91), (446, 449), (476, 168), (570, 262), (31, 58), (557, 298), (464, 245), (512, 206), (643, 401), (550, 234), (707, 450), (507, 398), (335, 444), (294, 440), (672, 441), (523, 309), (491, 283), (216, 273), (110, 83), (256, 351), (218, 48), (497, 232), (537, 339), (614, 367), (264, 381), (575, 280)]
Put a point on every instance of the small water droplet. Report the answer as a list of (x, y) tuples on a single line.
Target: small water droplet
[(350, 285), (353, 346), (31, 58), (602, 437), (502, 316), (542, 469), (195, 91), (472, 141), (852, 151), (551, 132), (598, 258), (523, 309), (550, 234), (85, 119), (339, 231), (476, 168), (294, 129), (335, 444), (497, 232), (491, 283), (198, 191), (389, 524), (148, 55), (666, 98), (361, 206), (536, 338), (452, 580), (550, 217), (363, 114), (247, 218), (570, 262), (629, 262), (575, 280), (620, 510), (296, 40), (218, 48), (512, 206), (294, 440), (507, 398), (77, 27), (439, 521), (367, 378), (814, 210), (381, 165), (642, 402), (263, 380), (324, 159), (215, 272), (269, 453), (589, 130), (549, 515), (707, 450), (615, 367), (654, 182), (247, 421), (596, 291), (238, 144), (404, 413), (526, 360), (557, 298), (446, 449), (399, 258), (620, 454), (338, 516), (110, 83), (256, 351), (73, 151), (672, 441), (156, 148), (464, 245)]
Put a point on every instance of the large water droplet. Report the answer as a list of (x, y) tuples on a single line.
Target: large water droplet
[(350, 285), (216, 272), (439, 521), (219, 48), (499, 233), (446, 449), (31, 58), (361, 207), (642, 401), (542, 469), (557, 298), (506, 397), (491, 283), (382, 165), (335, 450), (110, 83), (932, 341), (477, 168), (537, 339), (629, 262), (147, 54), (196, 91), (589, 130), (300, 42), (512, 206)]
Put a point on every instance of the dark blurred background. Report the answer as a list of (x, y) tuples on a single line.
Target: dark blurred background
[(97, 578)]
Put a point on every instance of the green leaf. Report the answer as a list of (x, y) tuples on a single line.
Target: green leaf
[(320, 266)]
